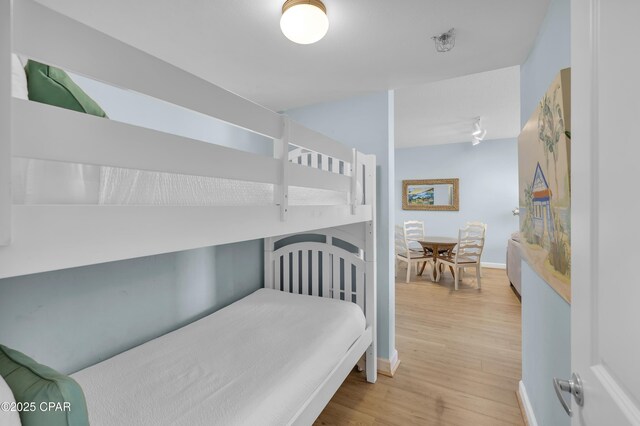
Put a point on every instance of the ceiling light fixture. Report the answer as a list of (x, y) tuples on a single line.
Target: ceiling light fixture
[(445, 41), (304, 21), (478, 132)]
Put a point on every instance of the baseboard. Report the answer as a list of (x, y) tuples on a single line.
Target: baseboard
[(492, 265), (388, 367), (525, 406)]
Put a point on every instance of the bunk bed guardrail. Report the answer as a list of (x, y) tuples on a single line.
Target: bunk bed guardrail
[(37, 238)]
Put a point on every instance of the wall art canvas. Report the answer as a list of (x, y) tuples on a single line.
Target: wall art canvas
[(544, 157)]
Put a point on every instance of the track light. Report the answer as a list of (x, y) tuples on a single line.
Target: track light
[(478, 133)]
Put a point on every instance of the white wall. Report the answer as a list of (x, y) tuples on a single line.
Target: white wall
[(488, 191), (366, 123)]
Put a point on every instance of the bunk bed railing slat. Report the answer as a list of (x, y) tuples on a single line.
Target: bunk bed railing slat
[(295, 272), (69, 136), (277, 274), (335, 290), (315, 273), (286, 272), (326, 274), (55, 39), (348, 280), (304, 272)]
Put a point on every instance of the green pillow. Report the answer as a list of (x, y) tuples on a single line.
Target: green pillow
[(50, 85), (49, 398)]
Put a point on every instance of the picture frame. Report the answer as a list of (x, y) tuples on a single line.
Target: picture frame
[(431, 194)]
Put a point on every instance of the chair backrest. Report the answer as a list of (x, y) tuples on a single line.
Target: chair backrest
[(470, 242), (414, 230), (401, 243), (477, 223)]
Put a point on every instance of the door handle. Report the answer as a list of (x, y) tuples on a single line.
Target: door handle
[(572, 386)]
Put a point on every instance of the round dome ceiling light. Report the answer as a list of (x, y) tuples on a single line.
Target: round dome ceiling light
[(304, 21)]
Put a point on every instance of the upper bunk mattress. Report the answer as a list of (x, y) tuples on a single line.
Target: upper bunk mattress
[(254, 362), (50, 182)]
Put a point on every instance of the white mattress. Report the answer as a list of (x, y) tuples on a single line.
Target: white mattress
[(254, 362), (49, 182)]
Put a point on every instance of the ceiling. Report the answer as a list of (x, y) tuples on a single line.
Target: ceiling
[(372, 45), (444, 111)]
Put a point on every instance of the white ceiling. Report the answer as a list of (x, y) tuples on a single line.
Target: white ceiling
[(372, 45), (444, 111)]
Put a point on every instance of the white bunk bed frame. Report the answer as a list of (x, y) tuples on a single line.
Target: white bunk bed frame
[(39, 238)]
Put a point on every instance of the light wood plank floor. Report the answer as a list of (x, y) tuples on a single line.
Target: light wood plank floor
[(460, 359)]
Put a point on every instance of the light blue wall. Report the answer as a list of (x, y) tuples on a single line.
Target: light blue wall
[(546, 317), (73, 318), (488, 176), (550, 53), (545, 350), (366, 123), (133, 108)]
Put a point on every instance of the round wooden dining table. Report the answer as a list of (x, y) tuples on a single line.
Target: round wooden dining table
[(437, 246)]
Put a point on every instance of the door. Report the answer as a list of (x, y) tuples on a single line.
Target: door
[(605, 310)]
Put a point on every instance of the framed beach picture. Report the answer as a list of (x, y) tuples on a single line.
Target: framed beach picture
[(544, 159), (430, 194)]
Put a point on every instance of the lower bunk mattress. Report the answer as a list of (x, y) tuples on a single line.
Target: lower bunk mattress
[(254, 362)]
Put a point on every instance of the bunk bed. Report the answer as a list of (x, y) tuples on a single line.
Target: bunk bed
[(314, 251)]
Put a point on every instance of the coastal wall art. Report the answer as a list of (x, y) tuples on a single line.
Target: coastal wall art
[(544, 162)]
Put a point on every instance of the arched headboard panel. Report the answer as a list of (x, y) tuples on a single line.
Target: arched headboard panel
[(329, 263), (320, 269)]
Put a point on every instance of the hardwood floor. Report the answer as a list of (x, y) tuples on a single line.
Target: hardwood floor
[(460, 354)]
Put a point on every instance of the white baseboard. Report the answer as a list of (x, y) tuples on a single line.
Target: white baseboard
[(389, 366), (526, 405), (494, 265)]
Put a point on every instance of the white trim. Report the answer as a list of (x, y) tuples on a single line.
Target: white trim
[(388, 367), (526, 405), (492, 265)]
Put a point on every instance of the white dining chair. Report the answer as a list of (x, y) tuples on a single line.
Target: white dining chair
[(414, 232), (404, 254), (467, 255)]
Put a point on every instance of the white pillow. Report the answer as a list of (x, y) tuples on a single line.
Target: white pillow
[(18, 79), (7, 418)]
